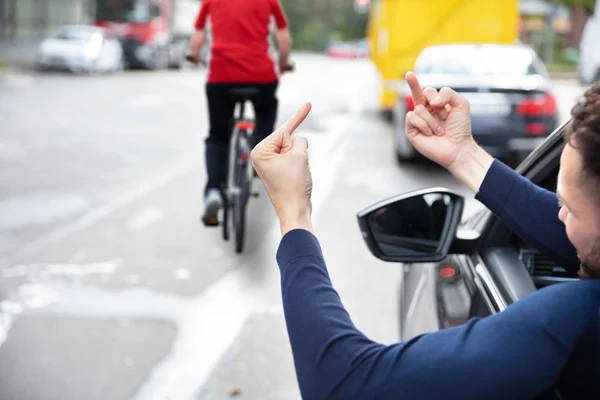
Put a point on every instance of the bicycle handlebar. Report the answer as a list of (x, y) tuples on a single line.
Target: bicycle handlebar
[(196, 60)]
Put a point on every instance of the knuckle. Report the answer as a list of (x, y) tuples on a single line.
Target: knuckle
[(420, 109), (430, 91)]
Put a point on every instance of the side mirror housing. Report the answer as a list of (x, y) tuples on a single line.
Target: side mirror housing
[(415, 227)]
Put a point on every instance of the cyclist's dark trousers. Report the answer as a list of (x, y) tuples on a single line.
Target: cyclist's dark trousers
[(221, 112)]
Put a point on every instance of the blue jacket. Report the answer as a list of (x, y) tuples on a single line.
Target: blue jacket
[(551, 337)]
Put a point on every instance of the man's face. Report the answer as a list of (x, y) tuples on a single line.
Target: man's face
[(579, 212)]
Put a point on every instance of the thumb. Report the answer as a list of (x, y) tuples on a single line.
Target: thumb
[(300, 144), (287, 143)]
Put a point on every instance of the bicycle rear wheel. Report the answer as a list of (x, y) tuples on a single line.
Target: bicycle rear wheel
[(242, 192), (226, 211)]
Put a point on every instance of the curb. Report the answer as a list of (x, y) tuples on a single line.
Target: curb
[(16, 67)]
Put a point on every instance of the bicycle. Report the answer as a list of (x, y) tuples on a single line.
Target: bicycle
[(240, 172)]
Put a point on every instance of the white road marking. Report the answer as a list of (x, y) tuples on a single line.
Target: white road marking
[(145, 218), (60, 269), (183, 274), (8, 311), (170, 174)]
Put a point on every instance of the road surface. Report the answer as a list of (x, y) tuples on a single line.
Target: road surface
[(110, 288)]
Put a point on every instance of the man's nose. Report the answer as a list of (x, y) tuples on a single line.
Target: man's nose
[(562, 213)]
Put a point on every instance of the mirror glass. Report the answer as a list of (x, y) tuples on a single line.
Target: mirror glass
[(413, 225)]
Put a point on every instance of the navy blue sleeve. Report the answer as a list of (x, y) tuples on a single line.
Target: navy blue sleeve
[(518, 353), (528, 210)]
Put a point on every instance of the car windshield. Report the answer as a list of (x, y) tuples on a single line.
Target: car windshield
[(75, 34), (136, 11), (476, 61)]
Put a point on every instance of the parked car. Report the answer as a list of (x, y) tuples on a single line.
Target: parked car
[(81, 48), (473, 268), (588, 70), (357, 49), (513, 108)]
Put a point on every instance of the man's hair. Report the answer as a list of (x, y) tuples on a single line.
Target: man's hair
[(584, 133)]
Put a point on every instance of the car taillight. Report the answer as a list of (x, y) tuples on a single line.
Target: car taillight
[(541, 105), (408, 102), (537, 128)]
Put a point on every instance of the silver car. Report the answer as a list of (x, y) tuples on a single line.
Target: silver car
[(81, 48), (513, 108)]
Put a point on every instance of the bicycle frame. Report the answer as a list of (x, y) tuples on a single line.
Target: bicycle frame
[(240, 127)]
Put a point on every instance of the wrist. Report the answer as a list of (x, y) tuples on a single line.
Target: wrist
[(471, 165), (291, 218)]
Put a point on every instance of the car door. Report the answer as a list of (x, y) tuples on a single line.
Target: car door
[(502, 270)]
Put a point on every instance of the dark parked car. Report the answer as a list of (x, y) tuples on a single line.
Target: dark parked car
[(481, 266), (513, 108)]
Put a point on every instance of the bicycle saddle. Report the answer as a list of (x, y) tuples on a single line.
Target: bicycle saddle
[(244, 91)]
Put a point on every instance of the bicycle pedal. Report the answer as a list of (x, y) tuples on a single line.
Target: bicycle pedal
[(212, 222)]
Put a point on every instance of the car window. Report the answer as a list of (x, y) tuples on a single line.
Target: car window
[(79, 35), (493, 60)]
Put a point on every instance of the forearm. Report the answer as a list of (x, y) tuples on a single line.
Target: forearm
[(197, 42), (284, 41)]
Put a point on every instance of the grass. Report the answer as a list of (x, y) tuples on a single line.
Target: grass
[(559, 67)]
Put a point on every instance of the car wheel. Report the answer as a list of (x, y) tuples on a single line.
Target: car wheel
[(405, 151), (120, 67), (177, 56), (387, 115)]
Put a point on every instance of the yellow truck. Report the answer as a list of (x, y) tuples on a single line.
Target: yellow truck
[(399, 30)]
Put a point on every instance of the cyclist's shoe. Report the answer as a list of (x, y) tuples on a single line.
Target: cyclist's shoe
[(213, 203)]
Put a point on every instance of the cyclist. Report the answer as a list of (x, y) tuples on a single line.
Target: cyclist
[(240, 56)]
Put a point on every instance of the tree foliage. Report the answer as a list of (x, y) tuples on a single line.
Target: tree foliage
[(313, 23), (587, 4)]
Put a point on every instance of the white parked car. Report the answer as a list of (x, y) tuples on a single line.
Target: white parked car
[(81, 48)]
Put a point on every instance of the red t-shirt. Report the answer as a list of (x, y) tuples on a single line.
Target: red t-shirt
[(240, 47)]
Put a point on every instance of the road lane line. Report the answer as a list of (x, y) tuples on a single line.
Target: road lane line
[(171, 173), (145, 218)]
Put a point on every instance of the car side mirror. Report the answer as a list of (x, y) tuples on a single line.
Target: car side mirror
[(414, 227)]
